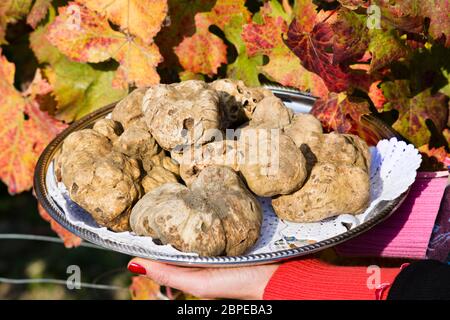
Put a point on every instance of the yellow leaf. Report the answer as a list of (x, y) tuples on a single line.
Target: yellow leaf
[(86, 36), (142, 18)]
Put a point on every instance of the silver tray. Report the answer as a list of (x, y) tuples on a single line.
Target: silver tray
[(303, 103)]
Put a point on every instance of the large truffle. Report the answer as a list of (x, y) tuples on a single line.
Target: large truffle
[(217, 215), (181, 114), (271, 113), (330, 190), (338, 180), (337, 148), (102, 181), (272, 164), (217, 153)]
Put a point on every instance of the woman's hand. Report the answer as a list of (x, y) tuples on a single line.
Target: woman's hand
[(232, 283)]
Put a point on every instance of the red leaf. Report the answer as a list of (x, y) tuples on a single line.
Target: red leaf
[(315, 51), (266, 39), (351, 37), (340, 113)]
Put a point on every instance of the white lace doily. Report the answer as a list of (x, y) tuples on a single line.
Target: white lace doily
[(393, 170)]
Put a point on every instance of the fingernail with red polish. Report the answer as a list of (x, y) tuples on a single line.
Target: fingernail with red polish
[(136, 268)]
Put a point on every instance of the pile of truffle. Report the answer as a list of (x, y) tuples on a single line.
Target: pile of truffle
[(136, 171)]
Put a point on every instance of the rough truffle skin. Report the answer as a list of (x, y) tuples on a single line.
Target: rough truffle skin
[(216, 153), (109, 128), (157, 177), (271, 113), (302, 127), (330, 190), (237, 101), (338, 181), (102, 181), (137, 142), (216, 216), (181, 114), (129, 109), (337, 148), (283, 173)]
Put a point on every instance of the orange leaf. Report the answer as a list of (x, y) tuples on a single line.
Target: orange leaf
[(70, 240), (38, 12), (25, 129), (86, 36), (143, 288), (376, 95), (204, 52), (142, 18)]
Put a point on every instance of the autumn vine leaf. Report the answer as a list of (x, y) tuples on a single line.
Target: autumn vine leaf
[(142, 18), (409, 15), (204, 52), (78, 88), (181, 24), (353, 4), (266, 39), (313, 43), (385, 47), (38, 12), (433, 159), (25, 130), (376, 95), (339, 112), (415, 110), (351, 37), (12, 11), (86, 36), (438, 13), (244, 68)]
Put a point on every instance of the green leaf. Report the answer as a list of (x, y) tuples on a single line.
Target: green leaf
[(415, 110), (78, 88), (386, 47), (244, 68)]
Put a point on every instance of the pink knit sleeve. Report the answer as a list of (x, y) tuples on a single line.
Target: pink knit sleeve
[(407, 232)]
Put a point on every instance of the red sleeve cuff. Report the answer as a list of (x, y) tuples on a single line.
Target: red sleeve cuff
[(311, 279)]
